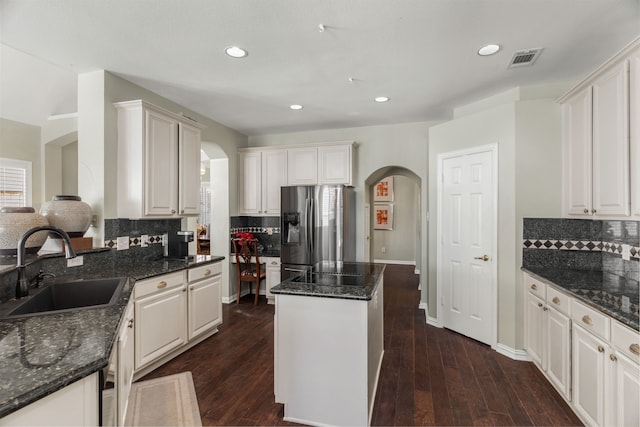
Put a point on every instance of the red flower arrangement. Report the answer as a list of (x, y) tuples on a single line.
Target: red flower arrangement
[(244, 235)]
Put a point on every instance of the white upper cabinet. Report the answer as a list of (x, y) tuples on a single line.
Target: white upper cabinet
[(634, 129), (335, 164), (189, 169), (302, 166), (611, 142), (577, 153), (262, 173), (274, 176), (600, 158), (158, 162)]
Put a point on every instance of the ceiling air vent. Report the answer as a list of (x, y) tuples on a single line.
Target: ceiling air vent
[(524, 58)]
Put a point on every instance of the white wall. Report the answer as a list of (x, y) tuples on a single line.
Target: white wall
[(529, 138), (399, 243), (22, 142), (403, 145)]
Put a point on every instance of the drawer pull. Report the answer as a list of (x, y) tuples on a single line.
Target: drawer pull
[(207, 272), (556, 300), (534, 287), (586, 319), (635, 349), (613, 357), (162, 284), (274, 262), (600, 349)]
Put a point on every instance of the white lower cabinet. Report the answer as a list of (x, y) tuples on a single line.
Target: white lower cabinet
[(125, 363), (74, 405), (161, 325), (588, 366), (558, 350), (205, 299), (175, 311), (548, 336), (592, 359), (273, 277)]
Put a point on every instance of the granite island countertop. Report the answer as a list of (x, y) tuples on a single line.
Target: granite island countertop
[(353, 280), (43, 353), (601, 290)]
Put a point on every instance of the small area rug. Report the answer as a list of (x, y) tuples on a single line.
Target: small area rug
[(166, 401)]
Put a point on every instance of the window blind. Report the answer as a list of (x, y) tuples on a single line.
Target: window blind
[(15, 179)]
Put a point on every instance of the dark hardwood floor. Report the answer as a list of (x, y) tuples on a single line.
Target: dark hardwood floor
[(430, 376)]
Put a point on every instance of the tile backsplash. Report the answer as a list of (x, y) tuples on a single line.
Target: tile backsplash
[(596, 245), (265, 228)]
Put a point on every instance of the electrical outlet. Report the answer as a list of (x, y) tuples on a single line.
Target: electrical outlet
[(383, 250), (144, 240), (626, 252), (122, 243), (75, 262), (269, 231)]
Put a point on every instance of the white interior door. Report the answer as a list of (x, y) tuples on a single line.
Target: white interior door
[(466, 270)]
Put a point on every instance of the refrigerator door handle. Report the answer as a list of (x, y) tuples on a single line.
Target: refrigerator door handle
[(309, 208)]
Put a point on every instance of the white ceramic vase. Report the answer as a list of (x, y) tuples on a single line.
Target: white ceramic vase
[(68, 213), (14, 222)]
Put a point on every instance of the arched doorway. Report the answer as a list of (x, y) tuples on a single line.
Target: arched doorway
[(401, 240)]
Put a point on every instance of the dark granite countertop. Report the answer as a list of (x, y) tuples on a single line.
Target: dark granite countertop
[(601, 290), (357, 281), (44, 353)]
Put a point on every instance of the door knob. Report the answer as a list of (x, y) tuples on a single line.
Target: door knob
[(483, 257)]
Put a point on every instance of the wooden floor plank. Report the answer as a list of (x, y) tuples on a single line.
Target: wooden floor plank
[(429, 375)]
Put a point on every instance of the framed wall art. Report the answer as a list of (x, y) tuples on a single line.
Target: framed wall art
[(383, 191), (383, 216)]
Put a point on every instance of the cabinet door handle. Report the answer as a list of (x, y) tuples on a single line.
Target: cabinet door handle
[(600, 349), (593, 211), (635, 349), (162, 284), (613, 357), (130, 324), (539, 304), (173, 211), (545, 309), (556, 300), (586, 210), (534, 287), (207, 272), (586, 319)]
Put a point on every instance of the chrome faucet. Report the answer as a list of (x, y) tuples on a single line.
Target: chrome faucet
[(22, 287)]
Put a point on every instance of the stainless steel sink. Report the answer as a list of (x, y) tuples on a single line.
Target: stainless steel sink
[(73, 295)]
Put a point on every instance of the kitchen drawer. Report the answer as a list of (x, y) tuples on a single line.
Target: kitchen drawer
[(157, 284), (590, 319), (558, 300), (534, 286), (204, 271), (625, 340)]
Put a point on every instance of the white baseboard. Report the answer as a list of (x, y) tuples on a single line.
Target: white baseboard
[(394, 261), (512, 353)]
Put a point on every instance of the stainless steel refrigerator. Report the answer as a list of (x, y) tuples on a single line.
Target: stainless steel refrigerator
[(317, 226)]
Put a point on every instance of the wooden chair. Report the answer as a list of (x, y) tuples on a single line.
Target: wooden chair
[(248, 270)]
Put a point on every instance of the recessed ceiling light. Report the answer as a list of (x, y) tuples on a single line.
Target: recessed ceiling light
[(489, 49), (235, 52), (295, 107), (381, 99)]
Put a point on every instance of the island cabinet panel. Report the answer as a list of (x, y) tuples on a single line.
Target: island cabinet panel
[(328, 354)]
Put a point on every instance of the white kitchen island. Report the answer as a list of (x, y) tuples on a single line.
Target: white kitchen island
[(329, 345)]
